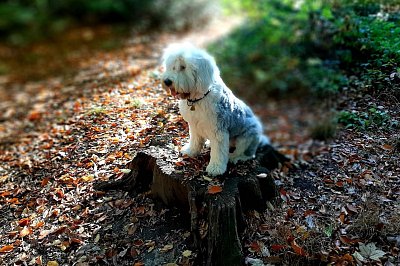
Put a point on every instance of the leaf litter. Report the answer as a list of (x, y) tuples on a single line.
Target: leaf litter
[(62, 133)]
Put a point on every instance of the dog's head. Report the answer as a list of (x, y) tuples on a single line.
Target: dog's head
[(189, 71)]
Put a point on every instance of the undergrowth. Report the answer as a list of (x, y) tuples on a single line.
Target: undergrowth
[(315, 48)]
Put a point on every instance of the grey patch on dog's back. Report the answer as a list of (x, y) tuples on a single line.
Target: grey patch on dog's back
[(236, 117)]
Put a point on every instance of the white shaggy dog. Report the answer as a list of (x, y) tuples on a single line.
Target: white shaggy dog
[(210, 108)]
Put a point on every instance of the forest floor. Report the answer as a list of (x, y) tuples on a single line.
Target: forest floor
[(76, 111)]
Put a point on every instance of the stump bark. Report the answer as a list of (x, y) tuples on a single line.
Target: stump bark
[(216, 228)]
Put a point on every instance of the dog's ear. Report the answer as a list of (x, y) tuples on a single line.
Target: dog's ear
[(170, 52), (207, 70)]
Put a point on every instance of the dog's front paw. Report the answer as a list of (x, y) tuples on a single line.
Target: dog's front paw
[(214, 169), (189, 151)]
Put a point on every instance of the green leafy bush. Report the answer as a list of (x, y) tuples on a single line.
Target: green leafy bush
[(274, 51), (290, 46), (373, 117)]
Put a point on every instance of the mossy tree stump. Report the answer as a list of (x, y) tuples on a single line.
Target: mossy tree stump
[(216, 219)]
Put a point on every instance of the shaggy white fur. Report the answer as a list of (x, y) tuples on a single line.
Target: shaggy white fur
[(210, 108)]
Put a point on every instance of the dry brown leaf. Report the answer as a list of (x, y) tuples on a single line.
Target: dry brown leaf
[(76, 240), (138, 243), (38, 260), (299, 250), (351, 208), (44, 233), (25, 231), (347, 240), (24, 221), (214, 189), (277, 247), (52, 263), (167, 248), (6, 248), (34, 115), (3, 178), (254, 247)]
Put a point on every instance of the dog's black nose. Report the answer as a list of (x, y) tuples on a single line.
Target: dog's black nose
[(168, 82)]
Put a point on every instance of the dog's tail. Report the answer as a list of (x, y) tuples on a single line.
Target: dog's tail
[(268, 156), (264, 141)]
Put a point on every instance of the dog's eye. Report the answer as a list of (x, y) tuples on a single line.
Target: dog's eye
[(182, 67)]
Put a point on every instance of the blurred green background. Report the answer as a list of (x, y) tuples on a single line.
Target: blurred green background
[(293, 45), (23, 21)]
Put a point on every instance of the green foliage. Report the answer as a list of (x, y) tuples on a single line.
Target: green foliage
[(97, 111), (23, 21), (373, 117), (136, 103), (273, 51), (313, 45)]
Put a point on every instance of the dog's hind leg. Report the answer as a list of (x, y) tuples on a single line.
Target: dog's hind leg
[(245, 148)]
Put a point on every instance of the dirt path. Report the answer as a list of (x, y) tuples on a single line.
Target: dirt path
[(60, 134)]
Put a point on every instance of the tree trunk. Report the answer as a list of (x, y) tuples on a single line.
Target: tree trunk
[(216, 229)]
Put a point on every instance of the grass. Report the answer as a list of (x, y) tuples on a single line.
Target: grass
[(97, 111), (136, 103), (324, 129)]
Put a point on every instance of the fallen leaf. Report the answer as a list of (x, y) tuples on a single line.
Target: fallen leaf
[(371, 252), (52, 263), (342, 217), (6, 249), (187, 253), (44, 181), (138, 242), (44, 233), (3, 178), (125, 171), (289, 213), (387, 147), (351, 208), (347, 240), (38, 224), (76, 240), (24, 221), (214, 189), (25, 231), (34, 115), (206, 178), (347, 257), (38, 260), (299, 250), (277, 247), (167, 248), (254, 247), (87, 178)]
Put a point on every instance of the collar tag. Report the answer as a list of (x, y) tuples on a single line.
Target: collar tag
[(191, 103)]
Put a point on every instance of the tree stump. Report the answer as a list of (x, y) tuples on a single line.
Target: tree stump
[(216, 219)]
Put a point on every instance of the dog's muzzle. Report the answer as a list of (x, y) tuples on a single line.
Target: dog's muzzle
[(167, 82), (169, 85)]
